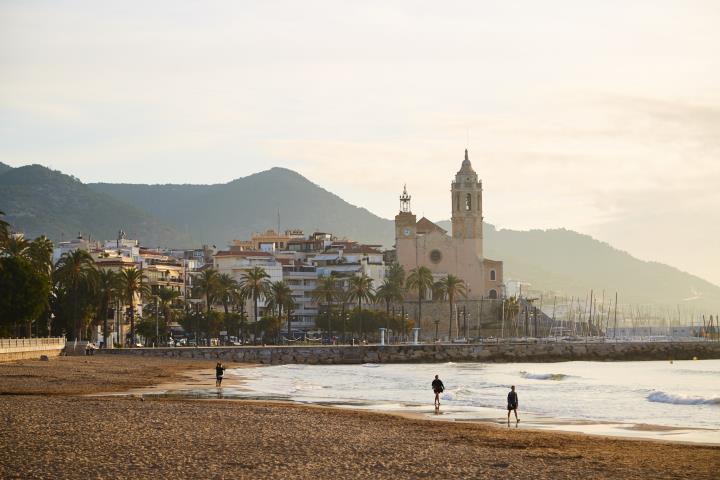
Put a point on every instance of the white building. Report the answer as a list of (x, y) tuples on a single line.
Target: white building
[(302, 280)]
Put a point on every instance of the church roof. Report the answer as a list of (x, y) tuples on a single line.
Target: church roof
[(426, 226)]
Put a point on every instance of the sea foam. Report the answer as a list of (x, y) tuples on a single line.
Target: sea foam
[(662, 397), (544, 376)]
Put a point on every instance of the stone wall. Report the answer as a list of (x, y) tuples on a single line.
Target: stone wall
[(533, 352), (489, 312)]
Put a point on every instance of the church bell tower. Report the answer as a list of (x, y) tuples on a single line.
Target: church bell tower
[(405, 221), (466, 191)]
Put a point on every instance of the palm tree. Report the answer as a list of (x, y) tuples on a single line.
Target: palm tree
[(451, 286), (420, 279), (227, 288), (4, 230), (75, 271), (166, 298), (389, 292), (326, 292), (106, 290), (17, 247), (207, 284), (511, 308), (396, 274), (280, 297), (255, 284), (40, 252), (131, 283), (361, 289)]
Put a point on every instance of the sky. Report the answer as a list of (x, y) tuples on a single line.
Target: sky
[(601, 117)]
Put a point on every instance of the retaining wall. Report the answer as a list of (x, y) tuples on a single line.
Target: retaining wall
[(527, 352), (24, 348)]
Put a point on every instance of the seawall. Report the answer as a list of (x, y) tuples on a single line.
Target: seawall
[(24, 348), (504, 352)]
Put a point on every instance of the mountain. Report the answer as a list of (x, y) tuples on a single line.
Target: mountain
[(572, 263), (216, 214), (37, 200), (4, 168)]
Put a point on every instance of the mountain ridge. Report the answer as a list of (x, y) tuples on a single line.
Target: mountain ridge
[(553, 259), (40, 201)]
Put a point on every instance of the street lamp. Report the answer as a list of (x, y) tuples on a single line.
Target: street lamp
[(196, 302)]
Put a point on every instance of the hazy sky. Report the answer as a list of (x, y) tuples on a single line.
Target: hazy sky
[(603, 117)]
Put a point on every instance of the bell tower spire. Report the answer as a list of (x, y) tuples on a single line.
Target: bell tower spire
[(466, 193)]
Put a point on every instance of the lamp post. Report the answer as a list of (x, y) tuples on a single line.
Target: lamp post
[(157, 321), (195, 302)]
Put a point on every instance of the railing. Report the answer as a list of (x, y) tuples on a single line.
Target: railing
[(32, 342)]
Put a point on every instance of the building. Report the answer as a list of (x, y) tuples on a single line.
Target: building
[(302, 280), (78, 243), (236, 263), (424, 244)]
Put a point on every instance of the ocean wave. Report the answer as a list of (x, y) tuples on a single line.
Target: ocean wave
[(544, 376), (461, 392), (662, 397)]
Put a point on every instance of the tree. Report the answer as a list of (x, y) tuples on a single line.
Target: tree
[(167, 297), (207, 284), (151, 328), (4, 231), (255, 284), (511, 308), (106, 290), (75, 274), (132, 284), (389, 292), (396, 274), (24, 293), (280, 298), (17, 247), (326, 292), (361, 289), (420, 279), (227, 291), (451, 286), (40, 252)]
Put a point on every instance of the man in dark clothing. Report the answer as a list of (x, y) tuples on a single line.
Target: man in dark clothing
[(438, 388), (219, 371), (512, 404)]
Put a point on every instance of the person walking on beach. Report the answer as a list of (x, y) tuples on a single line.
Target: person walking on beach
[(438, 387), (219, 371), (512, 404)]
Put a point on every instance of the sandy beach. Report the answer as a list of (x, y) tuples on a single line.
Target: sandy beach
[(51, 428)]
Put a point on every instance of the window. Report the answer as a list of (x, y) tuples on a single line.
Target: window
[(492, 275), (435, 256), (493, 293), (457, 201), (468, 202)]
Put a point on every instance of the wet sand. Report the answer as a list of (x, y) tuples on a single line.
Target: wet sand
[(49, 428)]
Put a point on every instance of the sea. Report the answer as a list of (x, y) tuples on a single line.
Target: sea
[(677, 400)]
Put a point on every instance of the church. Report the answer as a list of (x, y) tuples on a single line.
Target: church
[(421, 243)]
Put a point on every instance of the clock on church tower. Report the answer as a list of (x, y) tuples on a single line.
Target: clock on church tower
[(405, 220)]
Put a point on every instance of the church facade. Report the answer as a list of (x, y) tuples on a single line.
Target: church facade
[(424, 244)]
